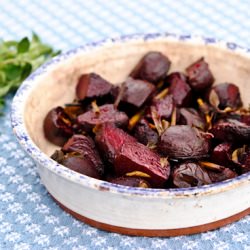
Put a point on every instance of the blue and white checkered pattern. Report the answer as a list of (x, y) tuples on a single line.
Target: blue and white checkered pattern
[(29, 218)]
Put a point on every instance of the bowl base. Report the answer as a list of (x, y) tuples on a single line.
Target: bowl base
[(156, 232)]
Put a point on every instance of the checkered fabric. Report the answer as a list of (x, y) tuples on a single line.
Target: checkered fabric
[(29, 218)]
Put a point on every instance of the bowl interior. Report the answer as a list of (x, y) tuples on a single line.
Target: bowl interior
[(114, 61)]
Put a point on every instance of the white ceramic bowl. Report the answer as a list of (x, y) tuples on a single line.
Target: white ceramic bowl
[(135, 211)]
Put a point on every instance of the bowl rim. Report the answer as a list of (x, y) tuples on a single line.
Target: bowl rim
[(20, 131)]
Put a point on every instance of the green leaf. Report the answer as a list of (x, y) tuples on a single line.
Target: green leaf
[(18, 59), (12, 71), (26, 70), (23, 46)]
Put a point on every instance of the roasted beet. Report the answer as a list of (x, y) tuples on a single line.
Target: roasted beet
[(57, 126), (136, 92), (144, 134), (223, 175), (231, 131), (180, 90), (229, 95), (85, 146), (184, 142), (130, 181), (241, 156), (164, 107), (77, 162), (137, 157), (222, 154), (110, 139), (199, 75), (81, 165), (190, 174), (153, 67), (106, 114), (92, 86), (191, 117)]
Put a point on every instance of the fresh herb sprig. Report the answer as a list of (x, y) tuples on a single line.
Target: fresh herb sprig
[(18, 59)]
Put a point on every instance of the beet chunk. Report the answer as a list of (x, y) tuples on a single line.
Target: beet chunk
[(153, 67), (222, 154), (225, 174), (144, 134), (81, 165), (137, 157), (180, 90), (231, 131), (130, 181), (92, 86), (191, 117), (164, 107), (57, 126), (184, 142), (190, 174), (137, 92), (107, 114), (85, 146), (110, 139), (199, 75), (229, 95)]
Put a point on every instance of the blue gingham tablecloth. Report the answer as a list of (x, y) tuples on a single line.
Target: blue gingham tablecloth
[(29, 218)]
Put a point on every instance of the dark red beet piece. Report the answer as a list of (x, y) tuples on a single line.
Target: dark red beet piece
[(92, 86), (190, 174), (85, 146), (130, 181), (137, 157), (182, 93), (137, 92), (110, 139), (153, 67), (57, 126), (191, 117), (107, 114), (231, 131), (81, 165), (225, 174), (164, 107), (199, 75), (184, 142), (144, 134), (229, 95), (222, 154), (77, 162)]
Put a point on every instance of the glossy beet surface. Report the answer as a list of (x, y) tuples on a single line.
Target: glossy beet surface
[(92, 86), (84, 146), (191, 117), (154, 130), (106, 114), (134, 156), (57, 126), (145, 134), (180, 90), (229, 95), (137, 92), (153, 67), (199, 75), (184, 142), (231, 130), (190, 174), (110, 139)]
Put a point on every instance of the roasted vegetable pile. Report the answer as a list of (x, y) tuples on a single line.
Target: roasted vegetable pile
[(156, 129)]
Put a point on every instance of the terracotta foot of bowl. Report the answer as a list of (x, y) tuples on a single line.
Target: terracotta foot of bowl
[(134, 211)]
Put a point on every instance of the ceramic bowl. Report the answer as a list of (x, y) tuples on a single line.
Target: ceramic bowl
[(134, 211)]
